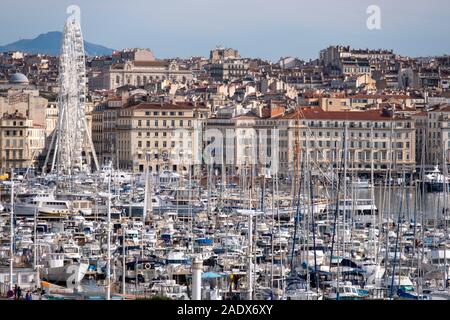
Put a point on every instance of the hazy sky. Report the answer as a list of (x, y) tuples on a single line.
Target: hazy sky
[(257, 28)]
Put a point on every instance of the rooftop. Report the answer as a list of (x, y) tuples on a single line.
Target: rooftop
[(318, 113)]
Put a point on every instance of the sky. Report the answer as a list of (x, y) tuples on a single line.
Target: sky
[(268, 29)]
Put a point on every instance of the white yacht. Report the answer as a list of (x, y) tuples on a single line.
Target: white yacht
[(434, 180), (362, 209), (361, 184), (61, 270), (44, 203)]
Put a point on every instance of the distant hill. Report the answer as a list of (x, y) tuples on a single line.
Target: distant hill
[(49, 43)]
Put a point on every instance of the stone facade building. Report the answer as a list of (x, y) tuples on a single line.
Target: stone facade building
[(376, 135), (165, 136), (140, 73), (21, 141)]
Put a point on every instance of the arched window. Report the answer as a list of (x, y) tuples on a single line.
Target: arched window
[(117, 79)]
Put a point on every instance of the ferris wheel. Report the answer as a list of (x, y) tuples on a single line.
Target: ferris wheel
[(71, 141)]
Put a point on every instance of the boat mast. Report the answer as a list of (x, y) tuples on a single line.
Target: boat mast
[(108, 230), (372, 195), (344, 218), (124, 267), (272, 235), (444, 206), (11, 234), (313, 221), (250, 252), (35, 256)]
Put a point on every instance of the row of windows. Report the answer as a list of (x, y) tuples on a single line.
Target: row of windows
[(164, 113), (352, 144), (164, 134), (165, 123), (13, 133), (164, 144), (14, 143), (397, 135), (14, 154), (360, 156), (146, 80), (353, 124)]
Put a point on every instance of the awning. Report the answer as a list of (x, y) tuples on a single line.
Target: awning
[(212, 275)]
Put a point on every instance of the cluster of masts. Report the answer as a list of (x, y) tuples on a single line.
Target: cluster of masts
[(305, 238)]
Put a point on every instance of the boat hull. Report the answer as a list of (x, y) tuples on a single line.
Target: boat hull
[(69, 273)]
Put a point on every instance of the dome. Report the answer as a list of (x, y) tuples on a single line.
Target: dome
[(18, 78)]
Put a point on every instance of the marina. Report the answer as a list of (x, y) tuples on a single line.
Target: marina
[(126, 177), (313, 247)]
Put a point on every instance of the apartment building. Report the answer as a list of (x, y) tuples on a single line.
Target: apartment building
[(244, 141), (228, 69), (361, 101), (347, 60), (21, 142), (376, 135), (437, 135), (166, 136), (220, 54), (104, 133)]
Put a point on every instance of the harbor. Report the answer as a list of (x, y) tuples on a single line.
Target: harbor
[(117, 235), (129, 177)]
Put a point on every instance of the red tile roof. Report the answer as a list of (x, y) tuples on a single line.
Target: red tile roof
[(380, 96), (319, 114), (164, 106)]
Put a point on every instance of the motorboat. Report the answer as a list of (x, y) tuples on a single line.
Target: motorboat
[(58, 269), (434, 180)]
